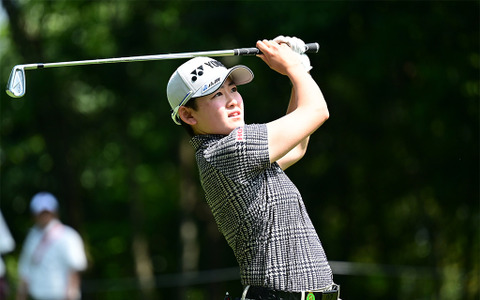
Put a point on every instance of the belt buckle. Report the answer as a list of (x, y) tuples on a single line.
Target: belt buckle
[(333, 293), (330, 295)]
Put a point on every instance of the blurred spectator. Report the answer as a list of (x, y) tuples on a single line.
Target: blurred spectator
[(7, 244), (52, 255)]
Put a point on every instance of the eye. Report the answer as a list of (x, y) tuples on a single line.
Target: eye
[(234, 89), (217, 95)]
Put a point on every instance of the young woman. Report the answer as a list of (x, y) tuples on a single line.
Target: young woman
[(256, 206)]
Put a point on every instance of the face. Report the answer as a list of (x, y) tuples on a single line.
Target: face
[(42, 219), (218, 113)]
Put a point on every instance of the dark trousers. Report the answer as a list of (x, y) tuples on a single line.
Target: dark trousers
[(4, 288)]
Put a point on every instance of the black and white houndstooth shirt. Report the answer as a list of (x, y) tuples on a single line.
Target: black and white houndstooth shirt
[(260, 212)]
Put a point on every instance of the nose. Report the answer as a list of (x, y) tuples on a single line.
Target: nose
[(231, 100)]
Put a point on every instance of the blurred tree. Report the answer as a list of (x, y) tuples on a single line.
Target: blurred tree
[(391, 180)]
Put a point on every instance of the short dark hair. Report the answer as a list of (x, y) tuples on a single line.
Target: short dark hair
[(192, 103)]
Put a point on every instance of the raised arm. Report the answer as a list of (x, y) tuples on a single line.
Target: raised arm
[(299, 150), (308, 111)]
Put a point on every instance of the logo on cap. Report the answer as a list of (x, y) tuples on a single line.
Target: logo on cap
[(197, 72), (210, 85)]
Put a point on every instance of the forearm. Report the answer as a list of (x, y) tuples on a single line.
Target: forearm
[(306, 112), (73, 289), (293, 103), (309, 102), (306, 95), (22, 290), (300, 149)]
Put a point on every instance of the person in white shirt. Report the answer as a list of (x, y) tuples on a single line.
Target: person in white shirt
[(7, 244), (52, 256)]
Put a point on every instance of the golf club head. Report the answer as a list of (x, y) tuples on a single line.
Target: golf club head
[(16, 82)]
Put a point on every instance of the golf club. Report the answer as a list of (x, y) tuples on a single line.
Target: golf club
[(16, 85)]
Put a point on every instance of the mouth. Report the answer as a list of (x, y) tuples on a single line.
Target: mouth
[(235, 114)]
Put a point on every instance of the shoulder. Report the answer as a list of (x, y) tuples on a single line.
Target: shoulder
[(70, 234), (33, 232)]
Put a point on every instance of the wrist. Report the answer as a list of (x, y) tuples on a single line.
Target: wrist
[(296, 70)]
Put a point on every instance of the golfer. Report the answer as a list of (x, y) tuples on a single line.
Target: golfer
[(257, 208)]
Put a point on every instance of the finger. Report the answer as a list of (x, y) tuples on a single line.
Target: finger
[(261, 46), (266, 46), (274, 47)]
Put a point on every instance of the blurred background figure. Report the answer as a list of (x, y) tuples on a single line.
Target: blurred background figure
[(7, 244), (52, 255)]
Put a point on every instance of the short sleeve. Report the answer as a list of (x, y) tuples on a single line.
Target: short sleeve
[(241, 155), (75, 251)]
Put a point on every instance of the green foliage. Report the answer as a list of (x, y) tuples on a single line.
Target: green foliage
[(390, 180)]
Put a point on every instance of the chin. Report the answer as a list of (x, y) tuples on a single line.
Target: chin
[(232, 124), (238, 122)]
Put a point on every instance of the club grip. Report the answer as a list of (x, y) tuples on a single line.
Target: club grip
[(312, 48), (309, 48)]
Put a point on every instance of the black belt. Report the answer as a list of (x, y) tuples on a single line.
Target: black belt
[(262, 293)]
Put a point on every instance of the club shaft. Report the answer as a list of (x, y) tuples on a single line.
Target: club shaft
[(128, 59), (309, 48)]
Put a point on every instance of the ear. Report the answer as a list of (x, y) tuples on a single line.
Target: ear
[(185, 113)]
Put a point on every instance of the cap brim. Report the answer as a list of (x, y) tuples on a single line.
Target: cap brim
[(240, 75)]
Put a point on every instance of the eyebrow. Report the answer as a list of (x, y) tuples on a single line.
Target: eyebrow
[(231, 82)]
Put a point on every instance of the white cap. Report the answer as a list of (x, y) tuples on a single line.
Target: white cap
[(201, 76), (43, 201)]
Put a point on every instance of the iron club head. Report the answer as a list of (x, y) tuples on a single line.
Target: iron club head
[(16, 82)]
